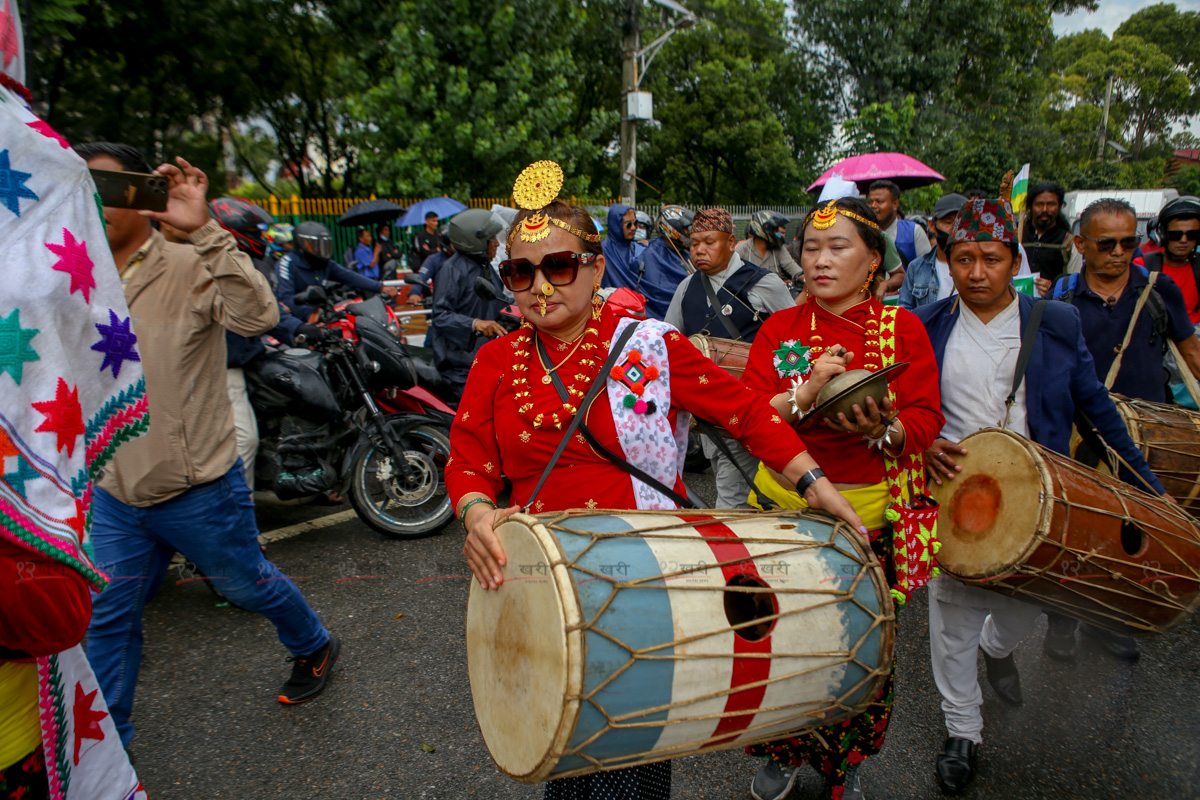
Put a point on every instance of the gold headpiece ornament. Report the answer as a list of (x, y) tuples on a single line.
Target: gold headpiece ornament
[(823, 218), (536, 187)]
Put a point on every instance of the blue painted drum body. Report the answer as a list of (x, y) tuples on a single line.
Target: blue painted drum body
[(682, 634)]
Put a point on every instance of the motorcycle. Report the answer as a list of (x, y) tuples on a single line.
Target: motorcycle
[(323, 427)]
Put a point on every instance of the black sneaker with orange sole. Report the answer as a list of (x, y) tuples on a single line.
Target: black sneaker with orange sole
[(310, 673)]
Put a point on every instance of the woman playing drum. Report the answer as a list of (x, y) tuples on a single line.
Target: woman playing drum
[(841, 325), (513, 416)]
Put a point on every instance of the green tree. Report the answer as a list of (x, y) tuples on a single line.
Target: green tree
[(880, 128), (1175, 32)]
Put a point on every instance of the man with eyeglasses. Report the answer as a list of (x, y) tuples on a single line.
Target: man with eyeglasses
[(1106, 292)]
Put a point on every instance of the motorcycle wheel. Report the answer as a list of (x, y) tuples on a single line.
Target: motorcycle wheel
[(401, 511)]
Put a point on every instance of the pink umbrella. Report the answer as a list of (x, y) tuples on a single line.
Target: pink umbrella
[(905, 171)]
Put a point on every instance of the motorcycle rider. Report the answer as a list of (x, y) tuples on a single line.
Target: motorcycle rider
[(764, 246), (462, 321), (666, 261), (311, 263), (643, 223)]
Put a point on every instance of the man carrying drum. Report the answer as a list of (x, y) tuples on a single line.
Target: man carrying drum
[(1108, 293), (977, 337)]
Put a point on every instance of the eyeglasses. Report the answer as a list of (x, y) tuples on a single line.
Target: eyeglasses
[(1128, 244), (1191, 236), (560, 269)]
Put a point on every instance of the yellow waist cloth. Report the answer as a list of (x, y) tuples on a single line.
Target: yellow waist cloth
[(869, 501), (20, 729)]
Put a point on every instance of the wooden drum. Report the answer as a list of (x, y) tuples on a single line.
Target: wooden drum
[(622, 638), (1035, 525), (1169, 438), (731, 356)]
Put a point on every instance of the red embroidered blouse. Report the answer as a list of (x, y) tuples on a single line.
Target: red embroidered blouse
[(845, 457), (490, 437)]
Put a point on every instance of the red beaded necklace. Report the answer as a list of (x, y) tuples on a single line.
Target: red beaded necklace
[(555, 412)]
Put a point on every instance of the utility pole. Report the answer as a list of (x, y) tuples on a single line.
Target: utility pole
[(1104, 124), (629, 84)]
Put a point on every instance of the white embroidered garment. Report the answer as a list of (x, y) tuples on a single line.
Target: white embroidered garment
[(977, 373), (648, 440)]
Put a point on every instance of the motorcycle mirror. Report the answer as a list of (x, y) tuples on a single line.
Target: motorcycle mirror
[(312, 296), (416, 278), (485, 289)]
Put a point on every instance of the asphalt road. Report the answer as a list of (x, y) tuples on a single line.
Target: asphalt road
[(396, 720)]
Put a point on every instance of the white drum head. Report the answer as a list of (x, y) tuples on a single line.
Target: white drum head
[(517, 655), (990, 512)]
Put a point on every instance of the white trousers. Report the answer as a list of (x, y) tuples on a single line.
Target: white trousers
[(962, 620), (244, 421), (732, 489)]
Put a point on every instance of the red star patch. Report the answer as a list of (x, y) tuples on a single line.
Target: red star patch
[(64, 416), (10, 45), (45, 130), (87, 719), (73, 259)]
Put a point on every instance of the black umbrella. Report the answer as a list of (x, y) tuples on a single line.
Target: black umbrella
[(370, 212)]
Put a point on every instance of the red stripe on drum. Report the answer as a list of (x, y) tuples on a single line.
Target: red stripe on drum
[(727, 547)]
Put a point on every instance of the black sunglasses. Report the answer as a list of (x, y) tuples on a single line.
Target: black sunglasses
[(1191, 236), (1128, 244), (560, 269)]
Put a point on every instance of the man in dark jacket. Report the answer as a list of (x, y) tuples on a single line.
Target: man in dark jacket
[(1048, 239), (621, 252), (462, 319)]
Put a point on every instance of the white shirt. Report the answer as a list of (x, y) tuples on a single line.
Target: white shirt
[(767, 296), (977, 373)]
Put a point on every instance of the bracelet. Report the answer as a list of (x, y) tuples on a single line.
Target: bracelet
[(462, 515), (808, 479), (882, 440)]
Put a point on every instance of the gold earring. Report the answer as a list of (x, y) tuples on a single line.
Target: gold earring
[(870, 277)]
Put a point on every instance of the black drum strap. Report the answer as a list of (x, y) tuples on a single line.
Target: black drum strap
[(1035, 322)]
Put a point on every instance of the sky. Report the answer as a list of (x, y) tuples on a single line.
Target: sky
[(1109, 16)]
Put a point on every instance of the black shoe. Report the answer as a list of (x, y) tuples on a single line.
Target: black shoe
[(1124, 647), (310, 673), (1003, 676), (1060, 637), (956, 765)]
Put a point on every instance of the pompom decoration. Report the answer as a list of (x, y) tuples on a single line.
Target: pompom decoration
[(617, 374), (634, 357), (637, 389), (640, 407), (651, 373), (630, 401)]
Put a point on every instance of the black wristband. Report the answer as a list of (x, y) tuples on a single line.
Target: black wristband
[(808, 479)]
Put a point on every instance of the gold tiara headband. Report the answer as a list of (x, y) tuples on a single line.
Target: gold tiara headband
[(823, 218), (536, 187)]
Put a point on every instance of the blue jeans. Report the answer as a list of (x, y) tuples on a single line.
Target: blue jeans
[(213, 526)]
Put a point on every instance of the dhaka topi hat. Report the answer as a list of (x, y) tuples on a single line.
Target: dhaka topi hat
[(712, 219), (984, 221)]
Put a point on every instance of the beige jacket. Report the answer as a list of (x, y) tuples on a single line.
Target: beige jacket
[(182, 299)]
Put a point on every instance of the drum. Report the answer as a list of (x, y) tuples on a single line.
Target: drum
[(623, 638), (1035, 525), (1169, 438), (731, 356)]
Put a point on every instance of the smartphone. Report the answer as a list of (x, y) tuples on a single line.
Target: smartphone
[(131, 190)]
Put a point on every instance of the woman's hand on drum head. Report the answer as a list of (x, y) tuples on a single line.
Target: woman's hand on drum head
[(823, 496), (939, 460), (482, 549)]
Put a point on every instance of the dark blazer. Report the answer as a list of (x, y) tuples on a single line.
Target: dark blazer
[(1060, 378)]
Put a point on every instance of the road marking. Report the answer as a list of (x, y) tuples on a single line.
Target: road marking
[(279, 534)]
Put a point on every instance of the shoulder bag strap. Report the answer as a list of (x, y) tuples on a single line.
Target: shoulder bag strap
[(1137, 312), (577, 420), (716, 307), (1035, 322), (612, 457)]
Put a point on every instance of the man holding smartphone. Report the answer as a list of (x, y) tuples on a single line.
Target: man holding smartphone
[(182, 486)]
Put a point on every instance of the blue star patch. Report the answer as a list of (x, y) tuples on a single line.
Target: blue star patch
[(12, 185), (116, 343)]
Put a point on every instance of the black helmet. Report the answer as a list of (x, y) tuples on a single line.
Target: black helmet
[(445, 232), (765, 225), (675, 225), (471, 230), (314, 242), (1185, 207), (245, 221)]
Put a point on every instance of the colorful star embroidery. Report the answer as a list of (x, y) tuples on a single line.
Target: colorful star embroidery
[(64, 417), (87, 719), (12, 182), (116, 342), (635, 375), (14, 346), (10, 45), (791, 359), (24, 472), (45, 130), (73, 259)]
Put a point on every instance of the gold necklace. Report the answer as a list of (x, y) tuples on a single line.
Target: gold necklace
[(550, 370)]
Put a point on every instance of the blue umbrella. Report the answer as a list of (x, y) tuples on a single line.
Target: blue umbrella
[(442, 206)]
